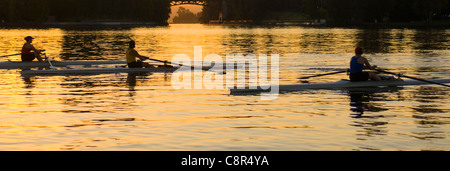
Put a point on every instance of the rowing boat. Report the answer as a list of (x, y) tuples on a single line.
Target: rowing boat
[(342, 84), (19, 65), (95, 71)]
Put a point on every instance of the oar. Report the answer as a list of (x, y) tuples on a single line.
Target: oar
[(414, 78), (165, 63), (51, 65), (320, 75), (11, 55)]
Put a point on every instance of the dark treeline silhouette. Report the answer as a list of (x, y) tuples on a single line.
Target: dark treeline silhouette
[(84, 10), (334, 11), (337, 11)]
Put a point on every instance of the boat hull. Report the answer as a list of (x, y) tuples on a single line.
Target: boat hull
[(98, 71), (340, 85), (19, 65)]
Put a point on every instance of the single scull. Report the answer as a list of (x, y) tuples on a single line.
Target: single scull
[(19, 65), (96, 71), (342, 84)]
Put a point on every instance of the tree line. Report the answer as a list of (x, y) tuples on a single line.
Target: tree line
[(338, 11), (84, 10), (186, 16)]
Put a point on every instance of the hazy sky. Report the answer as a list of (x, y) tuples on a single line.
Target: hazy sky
[(193, 8)]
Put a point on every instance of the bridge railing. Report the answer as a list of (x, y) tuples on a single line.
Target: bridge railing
[(173, 3)]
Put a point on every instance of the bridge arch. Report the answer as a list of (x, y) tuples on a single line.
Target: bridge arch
[(222, 7), (202, 3)]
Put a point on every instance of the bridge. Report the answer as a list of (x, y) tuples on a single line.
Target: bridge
[(222, 6), (202, 3)]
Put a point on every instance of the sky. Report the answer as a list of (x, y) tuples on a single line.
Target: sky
[(194, 8)]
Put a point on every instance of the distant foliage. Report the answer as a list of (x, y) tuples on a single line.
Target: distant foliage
[(85, 10), (186, 16), (340, 11)]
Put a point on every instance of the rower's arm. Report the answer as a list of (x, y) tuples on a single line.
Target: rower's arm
[(143, 58), (136, 54), (33, 48), (367, 65)]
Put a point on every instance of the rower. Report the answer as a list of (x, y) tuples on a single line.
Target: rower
[(132, 54), (358, 64), (27, 55)]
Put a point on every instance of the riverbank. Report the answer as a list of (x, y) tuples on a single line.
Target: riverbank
[(325, 24), (299, 19), (319, 23), (439, 24), (102, 24)]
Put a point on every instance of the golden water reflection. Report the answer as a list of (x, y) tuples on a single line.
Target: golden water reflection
[(143, 112)]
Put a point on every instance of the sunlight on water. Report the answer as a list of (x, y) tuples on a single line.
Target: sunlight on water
[(143, 112)]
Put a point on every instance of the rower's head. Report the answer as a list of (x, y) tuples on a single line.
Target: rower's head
[(359, 51), (29, 39), (132, 44)]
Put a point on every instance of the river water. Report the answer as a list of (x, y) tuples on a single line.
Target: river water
[(144, 112)]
